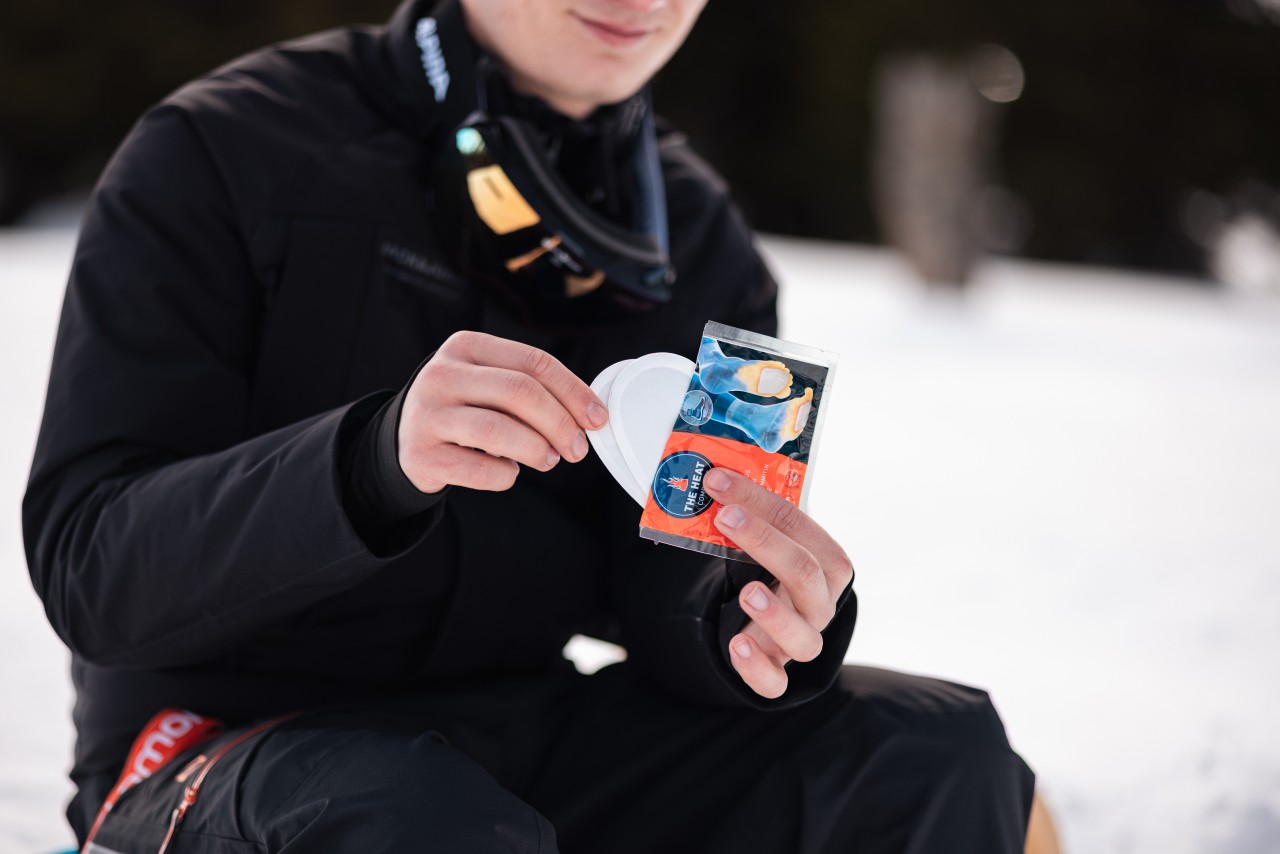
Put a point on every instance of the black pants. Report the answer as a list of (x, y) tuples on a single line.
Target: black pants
[(884, 762)]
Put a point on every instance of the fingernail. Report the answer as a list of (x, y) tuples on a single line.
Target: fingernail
[(552, 459), (579, 446), (716, 480), (731, 517), (596, 414), (742, 648), (757, 600)]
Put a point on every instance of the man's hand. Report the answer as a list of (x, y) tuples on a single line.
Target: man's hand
[(812, 572), (482, 405)]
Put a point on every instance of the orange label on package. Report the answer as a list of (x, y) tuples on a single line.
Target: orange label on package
[(678, 504), (752, 407)]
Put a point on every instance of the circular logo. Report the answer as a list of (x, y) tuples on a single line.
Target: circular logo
[(696, 408), (677, 485)]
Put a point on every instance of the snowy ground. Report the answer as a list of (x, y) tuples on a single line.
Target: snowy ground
[(1064, 488)]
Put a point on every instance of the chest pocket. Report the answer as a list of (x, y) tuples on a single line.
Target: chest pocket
[(309, 326)]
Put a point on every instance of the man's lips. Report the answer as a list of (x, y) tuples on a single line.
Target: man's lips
[(618, 35)]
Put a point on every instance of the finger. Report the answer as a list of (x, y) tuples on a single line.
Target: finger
[(762, 674), (761, 637), (520, 396), (575, 395), (795, 567), (794, 636), (766, 643), (472, 469), (495, 433), (729, 487)]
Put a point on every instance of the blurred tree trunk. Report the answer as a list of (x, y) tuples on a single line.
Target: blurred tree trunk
[(934, 149)]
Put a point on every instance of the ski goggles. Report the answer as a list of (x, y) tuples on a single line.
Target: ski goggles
[(524, 228)]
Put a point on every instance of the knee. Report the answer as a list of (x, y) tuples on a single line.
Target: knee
[(937, 743), (928, 733), (936, 730), (922, 707)]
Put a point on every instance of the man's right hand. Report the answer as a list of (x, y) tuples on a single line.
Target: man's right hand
[(482, 405)]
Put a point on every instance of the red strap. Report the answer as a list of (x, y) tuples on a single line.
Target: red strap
[(166, 735)]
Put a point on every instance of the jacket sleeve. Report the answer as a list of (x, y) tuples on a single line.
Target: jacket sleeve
[(157, 532), (679, 609)]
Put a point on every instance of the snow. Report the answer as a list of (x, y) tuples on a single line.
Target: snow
[(1062, 487), (35, 726)]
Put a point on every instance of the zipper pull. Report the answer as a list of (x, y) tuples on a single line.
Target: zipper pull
[(190, 768), (188, 798)]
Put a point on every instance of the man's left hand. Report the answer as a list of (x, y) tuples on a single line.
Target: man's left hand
[(812, 572)]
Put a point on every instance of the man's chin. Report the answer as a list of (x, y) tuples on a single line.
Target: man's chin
[(579, 105)]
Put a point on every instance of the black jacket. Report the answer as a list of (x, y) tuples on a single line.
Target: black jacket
[(252, 285)]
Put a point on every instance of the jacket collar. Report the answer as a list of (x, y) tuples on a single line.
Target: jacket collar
[(433, 61)]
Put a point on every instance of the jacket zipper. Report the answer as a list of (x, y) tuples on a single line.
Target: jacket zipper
[(192, 791)]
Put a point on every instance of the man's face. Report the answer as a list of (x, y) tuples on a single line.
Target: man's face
[(579, 54)]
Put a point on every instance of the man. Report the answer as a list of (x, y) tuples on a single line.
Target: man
[(233, 511)]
